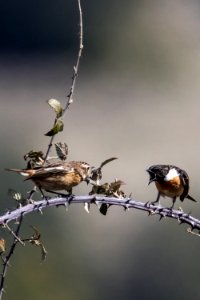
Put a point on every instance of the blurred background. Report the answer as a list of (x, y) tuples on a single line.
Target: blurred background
[(137, 98)]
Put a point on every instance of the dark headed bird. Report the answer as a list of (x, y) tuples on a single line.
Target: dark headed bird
[(170, 181)]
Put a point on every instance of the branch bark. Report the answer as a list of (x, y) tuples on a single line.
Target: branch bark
[(126, 203)]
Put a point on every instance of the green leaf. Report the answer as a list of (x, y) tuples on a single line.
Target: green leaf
[(59, 125), (55, 104)]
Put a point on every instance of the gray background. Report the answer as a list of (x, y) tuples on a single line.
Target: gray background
[(137, 98)]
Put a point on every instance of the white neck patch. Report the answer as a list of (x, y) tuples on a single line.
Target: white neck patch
[(171, 174)]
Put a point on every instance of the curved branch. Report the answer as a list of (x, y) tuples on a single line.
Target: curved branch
[(125, 203)]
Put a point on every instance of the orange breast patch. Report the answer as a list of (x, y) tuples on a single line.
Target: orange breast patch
[(171, 188)]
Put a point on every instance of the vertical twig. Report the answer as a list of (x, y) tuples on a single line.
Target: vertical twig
[(6, 260), (76, 67), (74, 76)]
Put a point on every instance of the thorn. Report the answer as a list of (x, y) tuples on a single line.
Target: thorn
[(98, 204), (66, 206), (40, 210), (70, 198), (189, 214), (182, 222), (128, 200), (161, 217), (151, 212), (126, 207), (189, 230), (147, 204)]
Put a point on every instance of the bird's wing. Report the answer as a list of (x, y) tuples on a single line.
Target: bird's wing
[(52, 169), (185, 181)]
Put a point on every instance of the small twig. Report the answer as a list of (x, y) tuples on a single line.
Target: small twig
[(6, 260), (76, 67), (13, 233), (74, 76)]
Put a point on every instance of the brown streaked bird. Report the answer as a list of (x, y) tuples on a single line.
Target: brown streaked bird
[(57, 176), (170, 181)]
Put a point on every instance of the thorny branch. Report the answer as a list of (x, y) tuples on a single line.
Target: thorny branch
[(6, 260), (74, 76), (126, 203)]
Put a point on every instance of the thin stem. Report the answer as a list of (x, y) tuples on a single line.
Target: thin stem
[(76, 67), (14, 234), (6, 260), (74, 76)]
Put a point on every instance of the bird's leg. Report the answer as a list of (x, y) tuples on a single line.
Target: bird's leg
[(173, 202), (69, 196), (157, 199), (30, 194), (43, 195), (61, 194)]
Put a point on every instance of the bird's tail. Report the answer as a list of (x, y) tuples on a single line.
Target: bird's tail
[(25, 173), (190, 198)]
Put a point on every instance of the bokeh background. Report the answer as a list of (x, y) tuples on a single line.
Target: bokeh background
[(137, 98)]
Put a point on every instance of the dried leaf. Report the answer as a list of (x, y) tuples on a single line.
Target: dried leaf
[(55, 104), (100, 189), (104, 208), (105, 162), (21, 200), (87, 207), (14, 195), (35, 240), (115, 186), (62, 150), (37, 234), (114, 189), (59, 125), (2, 245), (35, 159), (96, 173)]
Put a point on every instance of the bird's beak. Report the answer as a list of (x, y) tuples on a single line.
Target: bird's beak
[(152, 176), (151, 180), (88, 180)]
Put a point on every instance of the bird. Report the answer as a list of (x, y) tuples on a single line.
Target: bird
[(57, 176), (170, 181)]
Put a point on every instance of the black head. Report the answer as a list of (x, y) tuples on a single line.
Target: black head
[(157, 172), (152, 176)]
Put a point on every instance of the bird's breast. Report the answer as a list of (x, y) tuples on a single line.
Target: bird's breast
[(171, 188), (58, 182)]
